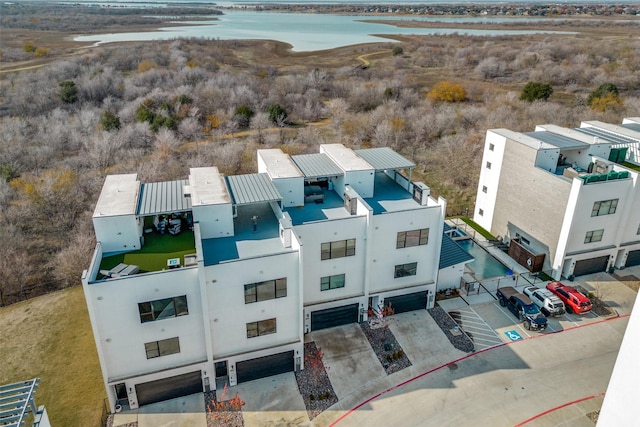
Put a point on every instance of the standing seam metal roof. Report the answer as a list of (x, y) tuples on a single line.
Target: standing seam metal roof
[(559, 141), (163, 197), (252, 188), (316, 165), (607, 136), (384, 158)]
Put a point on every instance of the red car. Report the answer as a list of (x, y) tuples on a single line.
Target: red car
[(574, 300)]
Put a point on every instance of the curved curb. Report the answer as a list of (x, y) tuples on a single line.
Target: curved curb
[(564, 405), (437, 368)]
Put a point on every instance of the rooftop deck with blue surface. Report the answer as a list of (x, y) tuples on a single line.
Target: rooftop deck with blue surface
[(389, 196), (246, 243)]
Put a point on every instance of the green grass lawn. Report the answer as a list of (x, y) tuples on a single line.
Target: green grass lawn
[(50, 337)]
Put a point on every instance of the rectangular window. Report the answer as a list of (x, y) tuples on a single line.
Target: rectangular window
[(263, 327), (488, 165), (263, 291), (338, 249), (484, 188), (638, 232), (404, 270), (480, 212), (407, 239), (491, 147), (162, 348), (593, 236), (332, 282), (163, 309), (605, 207)]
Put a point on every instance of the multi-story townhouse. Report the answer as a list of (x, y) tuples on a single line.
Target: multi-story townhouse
[(211, 280), (562, 195)]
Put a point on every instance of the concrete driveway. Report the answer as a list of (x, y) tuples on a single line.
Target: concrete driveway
[(186, 411), (350, 360)]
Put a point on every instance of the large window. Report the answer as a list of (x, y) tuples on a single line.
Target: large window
[(488, 165), (162, 348), (263, 327), (338, 249), (332, 282), (263, 291), (404, 270), (593, 236), (605, 207), (163, 309), (406, 239)]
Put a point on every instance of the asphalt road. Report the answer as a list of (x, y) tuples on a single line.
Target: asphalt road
[(504, 386)]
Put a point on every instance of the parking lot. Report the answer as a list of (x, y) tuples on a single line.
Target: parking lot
[(488, 324)]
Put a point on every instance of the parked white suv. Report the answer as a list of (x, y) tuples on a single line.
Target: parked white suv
[(549, 303)]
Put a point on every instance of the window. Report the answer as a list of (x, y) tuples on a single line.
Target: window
[(488, 165), (163, 309), (491, 147), (593, 236), (484, 188), (263, 291), (605, 207), (404, 270), (263, 327), (162, 348), (638, 232), (332, 282), (338, 249), (407, 239), (481, 212)]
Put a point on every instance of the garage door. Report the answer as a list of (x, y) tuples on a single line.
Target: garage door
[(266, 366), (591, 265), (633, 258), (331, 317), (408, 302), (169, 388)]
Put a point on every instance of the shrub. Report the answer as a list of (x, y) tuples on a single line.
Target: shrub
[(312, 397), (29, 48), (397, 50), (605, 97), (146, 65), (68, 92), (602, 91), (276, 113), (447, 92), (243, 115), (534, 91), (110, 121), (41, 51)]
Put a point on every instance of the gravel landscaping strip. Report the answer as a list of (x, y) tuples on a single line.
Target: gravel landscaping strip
[(221, 415), (446, 323), (313, 382), (386, 347)]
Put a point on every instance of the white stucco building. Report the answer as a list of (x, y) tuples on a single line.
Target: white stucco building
[(216, 279), (564, 193)]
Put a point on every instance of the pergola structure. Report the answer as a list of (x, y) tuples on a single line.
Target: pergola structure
[(16, 401)]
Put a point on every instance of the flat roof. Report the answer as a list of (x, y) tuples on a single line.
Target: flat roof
[(559, 141), (316, 165), (384, 158), (207, 186), (16, 401), (119, 196), (279, 164), (345, 157), (252, 188), (607, 136), (163, 197)]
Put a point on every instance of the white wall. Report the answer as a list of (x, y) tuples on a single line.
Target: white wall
[(384, 255), (118, 233), (122, 335), (229, 314), (312, 236), (215, 220), (361, 181), (291, 190), (449, 277), (489, 178)]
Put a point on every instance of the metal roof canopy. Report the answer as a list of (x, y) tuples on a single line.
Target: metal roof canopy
[(252, 188), (559, 141), (163, 197), (16, 401), (384, 158), (608, 136), (316, 165)]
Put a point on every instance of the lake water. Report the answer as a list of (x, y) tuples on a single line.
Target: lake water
[(304, 32)]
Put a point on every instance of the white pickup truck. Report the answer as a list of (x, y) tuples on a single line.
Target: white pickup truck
[(549, 304)]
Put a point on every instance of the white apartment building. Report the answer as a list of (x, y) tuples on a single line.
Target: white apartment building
[(564, 194), (210, 280)]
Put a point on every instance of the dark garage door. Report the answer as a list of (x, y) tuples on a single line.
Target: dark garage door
[(266, 366), (331, 317), (633, 258), (408, 302), (591, 265), (169, 388)]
